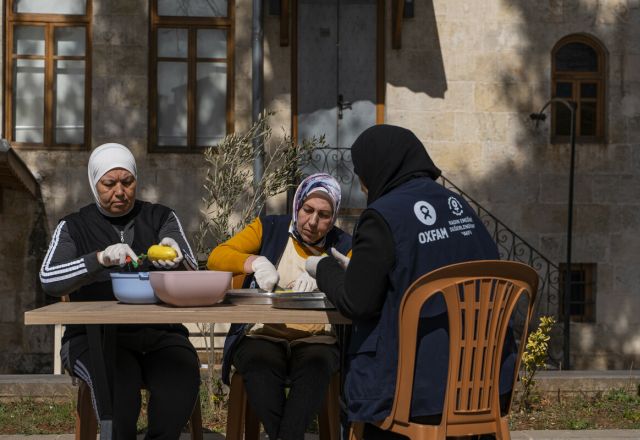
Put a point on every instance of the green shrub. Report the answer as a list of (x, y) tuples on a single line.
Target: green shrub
[(534, 357)]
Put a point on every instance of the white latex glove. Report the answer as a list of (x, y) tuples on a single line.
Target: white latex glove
[(116, 254), (265, 273), (169, 264), (304, 283), (343, 260), (311, 265)]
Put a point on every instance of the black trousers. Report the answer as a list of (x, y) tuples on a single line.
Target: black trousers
[(170, 373), (268, 368)]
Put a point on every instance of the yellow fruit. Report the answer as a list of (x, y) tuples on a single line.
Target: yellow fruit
[(160, 252)]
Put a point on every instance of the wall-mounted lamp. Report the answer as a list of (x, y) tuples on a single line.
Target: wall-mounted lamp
[(538, 117)]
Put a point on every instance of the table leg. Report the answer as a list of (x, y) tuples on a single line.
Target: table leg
[(99, 345)]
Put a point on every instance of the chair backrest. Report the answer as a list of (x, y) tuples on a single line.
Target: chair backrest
[(480, 298)]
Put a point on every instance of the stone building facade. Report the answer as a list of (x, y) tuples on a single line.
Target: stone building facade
[(465, 78)]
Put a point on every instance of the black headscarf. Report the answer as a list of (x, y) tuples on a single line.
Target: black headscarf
[(385, 156)]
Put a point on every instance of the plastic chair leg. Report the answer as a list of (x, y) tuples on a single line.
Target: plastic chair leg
[(86, 423)]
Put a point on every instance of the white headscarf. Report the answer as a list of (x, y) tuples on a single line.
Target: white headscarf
[(105, 158)]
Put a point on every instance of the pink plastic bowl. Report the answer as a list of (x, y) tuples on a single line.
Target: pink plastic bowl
[(190, 288)]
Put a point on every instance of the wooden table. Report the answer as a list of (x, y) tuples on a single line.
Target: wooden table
[(113, 312)]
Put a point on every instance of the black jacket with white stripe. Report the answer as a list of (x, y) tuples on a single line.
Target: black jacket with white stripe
[(71, 266)]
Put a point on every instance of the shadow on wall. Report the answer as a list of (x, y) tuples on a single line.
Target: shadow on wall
[(527, 185), (421, 50), (25, 349)]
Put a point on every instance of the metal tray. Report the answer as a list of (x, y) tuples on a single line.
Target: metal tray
[(280, 299), (248, 296), (303, 304)]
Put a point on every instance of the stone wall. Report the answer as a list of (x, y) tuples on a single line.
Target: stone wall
[(119, 114), (472, 113), (465, 80), (22, 222)]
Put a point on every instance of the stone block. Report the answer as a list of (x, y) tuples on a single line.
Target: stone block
[(604, 279), (626, 279), (503, 36), (37, 339), (122, 30), (511, 165), (626, 218), (426, 125), (457, 38), (616, 189), (553, 246), (474, 127), (419, 70), (500, 97), (529, 12), (456, 158), (604, 159), (126, 91), (100, 61), (129, 7), (589, 247), (37, 386), (7, 304), (616, 13), (625, 247), (460, 65), (554, 188), (577, 12), (129, 61), (465, 11), (631, 129), (121, 122), (10, 336), (543, 217), (591, 219)]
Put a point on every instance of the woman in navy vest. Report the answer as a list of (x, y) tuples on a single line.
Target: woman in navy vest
[(272, 252), (85, 248), (403, 233)]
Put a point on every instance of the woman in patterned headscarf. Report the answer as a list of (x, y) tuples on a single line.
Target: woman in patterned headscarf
[(272, 251)]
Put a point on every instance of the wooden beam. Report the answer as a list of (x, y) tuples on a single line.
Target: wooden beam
[(380, 62), (396, 17), (284, 23)]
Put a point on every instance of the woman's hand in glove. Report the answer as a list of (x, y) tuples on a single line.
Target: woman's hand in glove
[(311, 265), (116, 254), (343, 260), (265, 273), (169, 264), (304, 283)]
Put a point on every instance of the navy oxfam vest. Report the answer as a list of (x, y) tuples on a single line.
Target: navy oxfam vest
[(431, 227), (275, 235)]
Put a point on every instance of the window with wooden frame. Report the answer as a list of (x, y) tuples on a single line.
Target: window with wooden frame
[(191, 74), (578, 74), (48, 73), (582, 301)]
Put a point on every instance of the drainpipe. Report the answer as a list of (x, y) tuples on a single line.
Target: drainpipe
[(257, 104)]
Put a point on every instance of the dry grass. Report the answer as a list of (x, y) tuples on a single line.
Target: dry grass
[(616, 409)]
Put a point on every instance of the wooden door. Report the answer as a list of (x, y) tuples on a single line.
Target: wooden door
[(336, 83)]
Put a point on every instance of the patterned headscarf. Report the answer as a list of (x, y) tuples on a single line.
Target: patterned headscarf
[(319, 182)]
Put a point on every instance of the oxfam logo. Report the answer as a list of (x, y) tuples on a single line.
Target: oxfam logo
[(455, 206), (425, 212)]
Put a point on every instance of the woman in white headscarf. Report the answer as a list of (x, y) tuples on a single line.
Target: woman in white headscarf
[(89, 244)]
